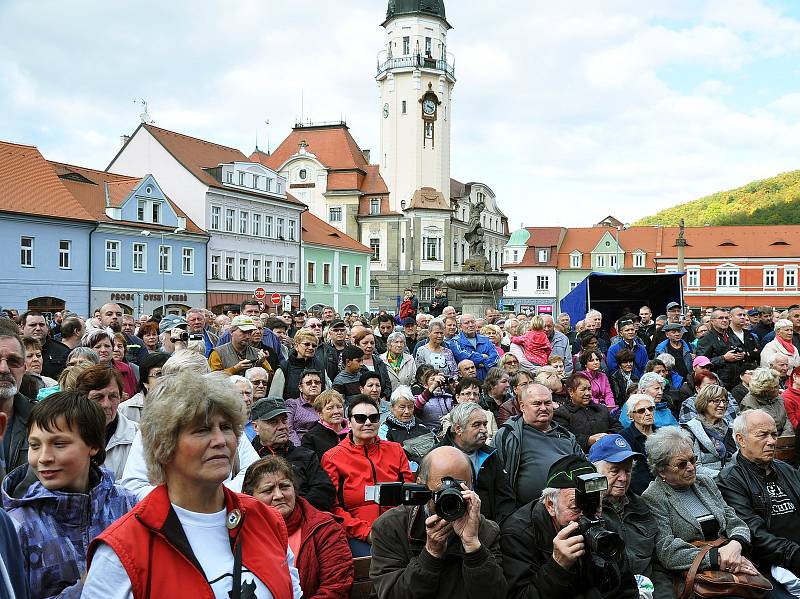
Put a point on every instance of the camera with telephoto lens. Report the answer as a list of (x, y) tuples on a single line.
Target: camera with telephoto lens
[(448, 501), (602, 545)]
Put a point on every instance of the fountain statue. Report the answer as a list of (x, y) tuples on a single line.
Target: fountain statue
[(479, 285)]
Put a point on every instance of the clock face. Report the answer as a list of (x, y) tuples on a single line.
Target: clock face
[(385, 111), (429, 106)]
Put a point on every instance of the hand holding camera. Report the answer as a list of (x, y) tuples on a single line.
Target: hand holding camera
[(243, 365), (468, 525), (436, 381), (568, 547)]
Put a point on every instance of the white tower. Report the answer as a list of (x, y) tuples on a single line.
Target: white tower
[(415, 80)]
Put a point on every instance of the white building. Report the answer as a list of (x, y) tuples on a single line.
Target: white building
[(531, 260)]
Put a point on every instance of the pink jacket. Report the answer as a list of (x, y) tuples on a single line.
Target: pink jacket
[(601, 388)]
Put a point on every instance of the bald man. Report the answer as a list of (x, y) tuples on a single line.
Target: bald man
[(442, 559)]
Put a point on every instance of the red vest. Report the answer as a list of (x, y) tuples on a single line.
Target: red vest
[(144, 543)]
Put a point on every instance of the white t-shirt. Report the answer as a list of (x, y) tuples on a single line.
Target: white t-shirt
[(208, 538)]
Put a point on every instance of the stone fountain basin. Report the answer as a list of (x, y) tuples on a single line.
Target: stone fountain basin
[(475, 281)]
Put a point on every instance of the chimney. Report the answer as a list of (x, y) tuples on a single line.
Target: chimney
[(123, 139), (366, 154)]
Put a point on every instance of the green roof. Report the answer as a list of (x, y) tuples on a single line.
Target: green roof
[(519, 238), (433, 8)]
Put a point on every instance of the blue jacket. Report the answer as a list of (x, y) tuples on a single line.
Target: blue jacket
[(462, 350), (55, 528), (640, 356), (16, 587)]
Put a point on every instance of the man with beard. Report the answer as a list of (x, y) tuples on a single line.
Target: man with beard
[(54, 353), (15, 405), (111, 317)]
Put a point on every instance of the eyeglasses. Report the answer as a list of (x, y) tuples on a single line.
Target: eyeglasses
[(362, 418), (309, 344), (643, 410), (682, 465), (721, 401), (259, 383), (313, 383), (314, 326)]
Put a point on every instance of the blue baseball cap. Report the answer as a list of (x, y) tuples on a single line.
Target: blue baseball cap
[(612, 448)]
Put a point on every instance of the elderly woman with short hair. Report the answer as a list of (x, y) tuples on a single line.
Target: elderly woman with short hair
[(302, 414), (765, 394), (712, 434), (688, 507), (652, 384), (400, 424), (401, 365), (331, 428), (640, 409), (781, 344), (435, 353), (588, 420), (190, 432)]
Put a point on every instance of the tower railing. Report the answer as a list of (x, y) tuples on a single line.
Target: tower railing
[(417, 61)]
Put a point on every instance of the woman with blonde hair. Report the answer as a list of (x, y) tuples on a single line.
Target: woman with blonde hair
[(495, 335), (765, 394)]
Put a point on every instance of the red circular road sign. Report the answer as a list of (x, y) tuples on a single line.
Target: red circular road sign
[(260, 293), (275, 298)]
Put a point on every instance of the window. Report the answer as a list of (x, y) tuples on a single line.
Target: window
[(188, 261), (112, 255), (544, 255), (230, 264), (216, 211), (302, 174), (514, 282), (326, 274), (693, 277), (256, 269), (156, 212), (215, 260), (375, 206), (345, 280), (375, 246), (139, 257), (406, 45), (267, 226), (428, 47), (140, 208), (374, 291), (404, 108), (613, 260), (427, 290), (771, 277), (229, 177), (230, 214), (26, 251), (279, 228), (542, 283), (600, 260), (638, 259), (244, 219), (575, 260), (255, 181), (292, 225), (573, 284), (64, 250), (279, 271), (358, 276), (243, 264), (402, 245), (290, 272), (335, 214), (727, 277), (311, 273), (790, 276), (268, 270), (432, 248), (164, 258), (241, 179), (256, 225), (514, 255)]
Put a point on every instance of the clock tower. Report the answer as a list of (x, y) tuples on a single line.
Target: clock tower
[(415, 81)]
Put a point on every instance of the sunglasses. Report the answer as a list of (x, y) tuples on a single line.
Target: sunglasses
[(647, 409), (362, 418), (309, 344), (684, 463), (314, 326), (258, 383)]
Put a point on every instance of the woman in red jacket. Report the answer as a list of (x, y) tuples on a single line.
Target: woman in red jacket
[(322, 555), (361, 460), (791, 397)]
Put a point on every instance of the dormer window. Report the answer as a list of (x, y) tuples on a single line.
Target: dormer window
[(638, 259), (375, 206), (269, 185), (543, 254), (514, 255), (156, 212), (575, 260), (727, 243), (229, 177), (241, 179), (255, 181), (141, 206)]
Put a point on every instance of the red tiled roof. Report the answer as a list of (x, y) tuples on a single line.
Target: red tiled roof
[(457, 189), (364, 207), (542, 237), (585, 239), (750, 241), (319, 232), (373, 182), (331, 144), (29, 185)]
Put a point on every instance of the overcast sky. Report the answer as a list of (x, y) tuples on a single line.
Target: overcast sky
[(577, 109)]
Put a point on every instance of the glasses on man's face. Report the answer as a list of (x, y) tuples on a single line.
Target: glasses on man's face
[(362, 418), (648, 409), (683, 464), (315, 325), (259, 382), (312, 383)]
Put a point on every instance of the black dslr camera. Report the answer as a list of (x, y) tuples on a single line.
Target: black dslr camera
[(450, 504), (602, 545)]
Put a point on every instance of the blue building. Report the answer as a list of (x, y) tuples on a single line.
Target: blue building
[(146, 254), (44, 236)]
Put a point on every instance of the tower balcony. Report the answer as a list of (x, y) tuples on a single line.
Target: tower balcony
[(417, 61)]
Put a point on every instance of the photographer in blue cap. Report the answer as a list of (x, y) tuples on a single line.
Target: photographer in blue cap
[(628, 515), (556, 547)]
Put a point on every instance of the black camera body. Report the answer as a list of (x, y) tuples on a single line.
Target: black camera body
[(601, 544), (448, 501), (182, 335)]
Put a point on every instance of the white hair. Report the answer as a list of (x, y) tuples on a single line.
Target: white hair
[(667, 359), (402, 392), (185, 359), (782, 323), (635, 398), (251, 372), (236, 378), (593, 313)]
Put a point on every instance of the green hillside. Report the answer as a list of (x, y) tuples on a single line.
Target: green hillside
[(768, 202)]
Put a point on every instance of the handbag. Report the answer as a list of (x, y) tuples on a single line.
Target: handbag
[(417, 448), (707, 584)]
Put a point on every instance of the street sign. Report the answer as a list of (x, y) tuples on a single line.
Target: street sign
[(287, 302), (275, 298), (260, 293)]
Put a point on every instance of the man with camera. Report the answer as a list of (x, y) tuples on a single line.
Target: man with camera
[(173, 334), (723, 348), (236, 356), (438, 544), (557, 548)]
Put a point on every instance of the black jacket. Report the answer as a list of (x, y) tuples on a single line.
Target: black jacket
[(54, 358), (293, 368), (310, 479), (332, 359), (744, 487), (319, 439), (398, 434), (437, 305), (714, 346), (18, 448), (491, 483), (646, 333), (532, 573), (583, 422), (619, 386)]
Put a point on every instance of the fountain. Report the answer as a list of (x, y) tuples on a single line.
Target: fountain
[(477, 282)]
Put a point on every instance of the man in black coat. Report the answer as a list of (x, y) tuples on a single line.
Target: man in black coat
[(54, 353), (467, 432), (269, 416), (723, 348), (543, 553)]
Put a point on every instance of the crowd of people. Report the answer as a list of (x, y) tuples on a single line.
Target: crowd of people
[(250, 454)]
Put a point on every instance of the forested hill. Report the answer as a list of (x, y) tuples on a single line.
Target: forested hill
[(767, 202)]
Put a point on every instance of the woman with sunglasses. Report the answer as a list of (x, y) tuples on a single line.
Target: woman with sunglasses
[(303, 356), (363, 459), (640, 409), (302, 415), (713, 436), (688, 507)]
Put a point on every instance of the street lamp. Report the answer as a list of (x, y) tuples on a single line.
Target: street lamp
[(619, 228), (147, 233)]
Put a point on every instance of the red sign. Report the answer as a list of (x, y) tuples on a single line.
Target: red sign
[(260, 293), (275, 298)]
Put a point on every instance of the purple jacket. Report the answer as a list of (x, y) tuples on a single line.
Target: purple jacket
[(302, 416), (601, 388)]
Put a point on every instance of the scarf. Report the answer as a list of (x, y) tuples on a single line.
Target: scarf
[(395, 362), (406, 425), (787, 345), (294, 520), (716, 432)]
